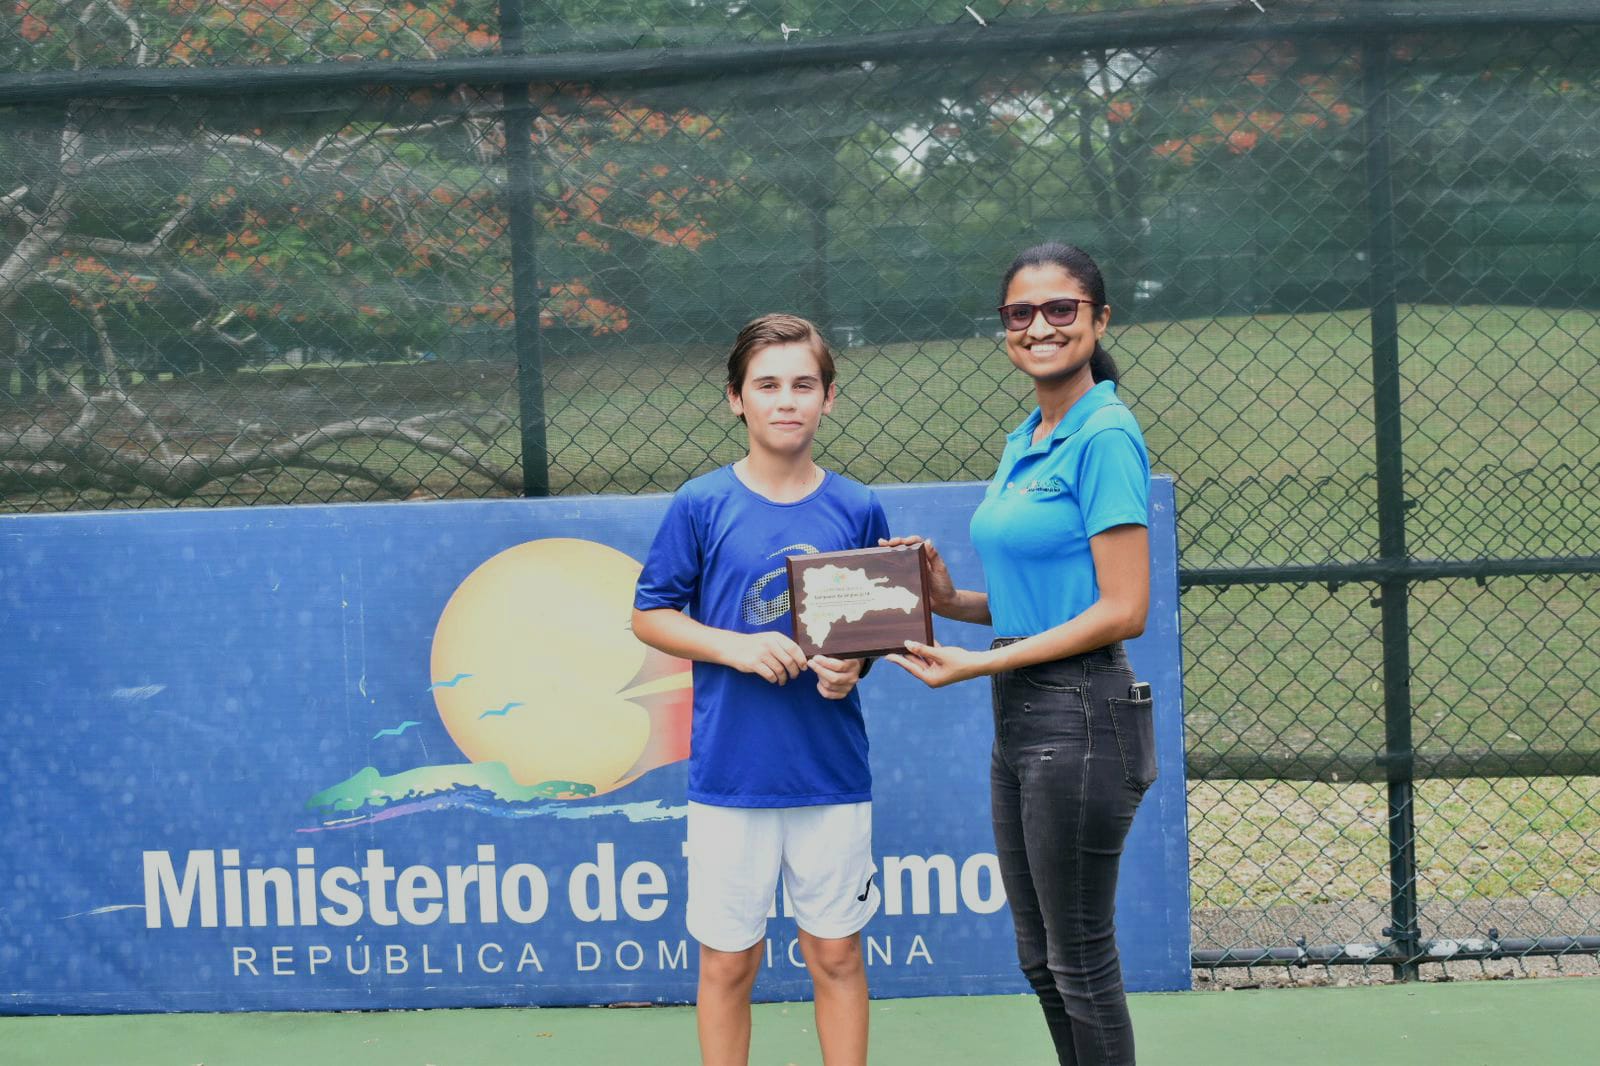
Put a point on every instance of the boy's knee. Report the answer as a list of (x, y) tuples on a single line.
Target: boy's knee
[(730, 969), (835, 960)]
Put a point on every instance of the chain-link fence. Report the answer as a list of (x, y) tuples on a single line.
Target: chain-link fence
[(270, 251)]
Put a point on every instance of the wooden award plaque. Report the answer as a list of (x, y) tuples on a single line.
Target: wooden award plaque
[(852, 604)]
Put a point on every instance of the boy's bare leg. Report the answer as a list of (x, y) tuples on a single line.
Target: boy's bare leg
[(840, 978), (722, 1012)]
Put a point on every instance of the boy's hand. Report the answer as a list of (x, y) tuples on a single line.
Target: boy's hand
[(835, 677), (773, 656)]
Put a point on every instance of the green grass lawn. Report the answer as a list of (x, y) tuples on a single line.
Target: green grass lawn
[(1288, 679), (1274, 843), (1267, 424)]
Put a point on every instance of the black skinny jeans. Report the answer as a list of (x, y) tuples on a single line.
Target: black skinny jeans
[(1073, 756)]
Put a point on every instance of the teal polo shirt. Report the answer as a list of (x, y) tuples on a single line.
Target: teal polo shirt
[(1033, 527)]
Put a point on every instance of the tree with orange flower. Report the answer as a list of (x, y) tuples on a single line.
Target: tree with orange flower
[(144, 237)]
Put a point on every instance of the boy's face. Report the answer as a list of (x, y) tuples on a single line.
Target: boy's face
[(782, 398)]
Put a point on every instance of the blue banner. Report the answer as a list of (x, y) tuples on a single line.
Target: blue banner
[(410, 755)]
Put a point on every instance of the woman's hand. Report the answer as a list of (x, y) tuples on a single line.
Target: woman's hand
[(835, 677), (941, 589), (937, 666), (773, 656)]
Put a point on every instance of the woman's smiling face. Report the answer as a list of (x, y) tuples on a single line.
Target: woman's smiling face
[(1049, 353)]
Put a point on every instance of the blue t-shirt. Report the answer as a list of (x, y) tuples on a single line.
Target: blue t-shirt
[(1033, 527), (719, 557)]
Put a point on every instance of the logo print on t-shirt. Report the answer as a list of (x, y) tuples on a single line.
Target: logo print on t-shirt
[(756, 610)]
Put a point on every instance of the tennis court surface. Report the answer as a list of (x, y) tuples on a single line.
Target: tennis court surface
[(1548, 1022)]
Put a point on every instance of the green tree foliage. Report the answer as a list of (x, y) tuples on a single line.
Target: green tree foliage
[(359, 225)]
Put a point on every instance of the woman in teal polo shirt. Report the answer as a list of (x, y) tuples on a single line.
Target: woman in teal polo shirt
[(1062, 537)]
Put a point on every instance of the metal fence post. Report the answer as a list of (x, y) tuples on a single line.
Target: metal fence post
[(1393, 594), (821, 312), (818, 195), (521, 188)]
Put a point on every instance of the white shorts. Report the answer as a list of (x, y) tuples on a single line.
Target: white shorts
[(736, 853)]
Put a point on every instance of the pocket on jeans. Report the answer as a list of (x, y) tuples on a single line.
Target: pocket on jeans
[(1050, 677), (1135, 726)]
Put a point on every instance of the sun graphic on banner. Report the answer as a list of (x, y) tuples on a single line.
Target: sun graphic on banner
[(541, 670)]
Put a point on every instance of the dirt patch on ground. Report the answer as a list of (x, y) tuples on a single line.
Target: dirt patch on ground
[(1361, 922)]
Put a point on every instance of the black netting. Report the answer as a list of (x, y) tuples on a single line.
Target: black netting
[(267, 292)]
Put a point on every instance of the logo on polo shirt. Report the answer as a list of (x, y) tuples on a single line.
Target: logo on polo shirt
[(1046, 486)]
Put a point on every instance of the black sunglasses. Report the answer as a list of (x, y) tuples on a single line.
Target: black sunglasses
[(1063, 312)]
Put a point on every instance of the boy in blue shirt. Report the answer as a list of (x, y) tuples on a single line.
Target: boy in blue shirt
[(778, 774)]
